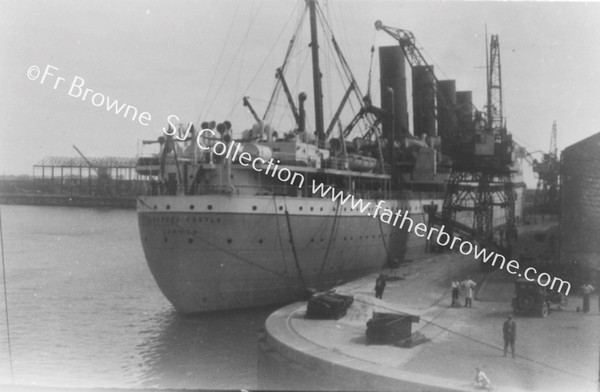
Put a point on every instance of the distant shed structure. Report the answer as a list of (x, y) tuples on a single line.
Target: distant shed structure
[(105, 176), (580, 204)]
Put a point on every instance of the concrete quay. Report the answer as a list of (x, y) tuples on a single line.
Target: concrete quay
[(558, 353)]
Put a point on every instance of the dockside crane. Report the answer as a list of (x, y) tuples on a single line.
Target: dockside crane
[(102, 173), (548, 171), (481, 152)]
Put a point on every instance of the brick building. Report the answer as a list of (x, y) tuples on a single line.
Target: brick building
[(580, 203)]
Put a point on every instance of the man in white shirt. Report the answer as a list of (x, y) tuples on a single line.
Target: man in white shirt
[(481, 380), (469, 285)]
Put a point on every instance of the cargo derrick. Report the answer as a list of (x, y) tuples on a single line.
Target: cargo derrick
[(478, 145)]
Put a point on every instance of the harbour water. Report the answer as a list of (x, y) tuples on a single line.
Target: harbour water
[(84, 311)]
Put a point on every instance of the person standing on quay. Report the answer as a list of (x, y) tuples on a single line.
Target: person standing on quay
[(509, 330), (469, 285), (455, 288), (586, 290), (379, 286)]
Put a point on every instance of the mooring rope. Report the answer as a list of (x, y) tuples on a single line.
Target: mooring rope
[(289, 225), (6, 301)]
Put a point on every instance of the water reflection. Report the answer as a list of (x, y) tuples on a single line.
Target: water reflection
[(213, 351)]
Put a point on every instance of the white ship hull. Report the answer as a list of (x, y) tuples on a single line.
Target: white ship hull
[(215, 252)]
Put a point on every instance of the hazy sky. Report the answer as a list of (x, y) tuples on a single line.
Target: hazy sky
[(196, 59)]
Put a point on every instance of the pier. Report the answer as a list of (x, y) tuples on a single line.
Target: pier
[(556, 353)]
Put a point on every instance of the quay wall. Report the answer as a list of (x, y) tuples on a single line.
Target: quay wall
[(286, 361), (69, 201)]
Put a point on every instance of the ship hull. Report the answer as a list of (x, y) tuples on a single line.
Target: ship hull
[(216, 252)]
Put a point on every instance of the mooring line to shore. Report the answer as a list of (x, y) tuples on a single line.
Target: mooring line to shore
[(12, 377), (432, 323)]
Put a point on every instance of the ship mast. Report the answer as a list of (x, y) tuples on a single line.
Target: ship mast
[(314, 44)]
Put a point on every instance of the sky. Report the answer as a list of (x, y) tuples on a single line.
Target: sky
[(197, 59)]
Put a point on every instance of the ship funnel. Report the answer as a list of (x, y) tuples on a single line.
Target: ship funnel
[(423, 85), (447, 120), (464, 105), (393, 76)]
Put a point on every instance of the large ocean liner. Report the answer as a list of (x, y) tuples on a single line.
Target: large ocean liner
[(218, 234)]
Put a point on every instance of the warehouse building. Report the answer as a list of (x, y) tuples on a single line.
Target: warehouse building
[(580, 205)]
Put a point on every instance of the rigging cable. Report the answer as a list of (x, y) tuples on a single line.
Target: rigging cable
[(250, 25), (6, 301), (334, 227), (387, 252), (344, 65), (279, 234), (217, 65), (285, 61), (287, 218)]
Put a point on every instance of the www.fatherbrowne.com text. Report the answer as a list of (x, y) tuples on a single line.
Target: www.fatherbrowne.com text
[(399, 218)]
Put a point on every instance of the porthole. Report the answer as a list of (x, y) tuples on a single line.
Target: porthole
[(229, 240), (209, 207), (300, 208), (155, 207), (190, 240), (321, 209), (168, 207), (280, 208), (311, 208), (253, 208), (260, 241), (192, 207)]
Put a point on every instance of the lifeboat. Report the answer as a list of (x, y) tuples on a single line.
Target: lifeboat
[(361, 163)]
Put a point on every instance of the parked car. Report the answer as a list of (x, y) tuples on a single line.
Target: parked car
[(533, 299)]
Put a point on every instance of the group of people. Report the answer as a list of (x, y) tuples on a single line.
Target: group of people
[(467, 285), (509, 328)]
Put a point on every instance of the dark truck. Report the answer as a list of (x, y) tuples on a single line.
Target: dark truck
[(533, 299)]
